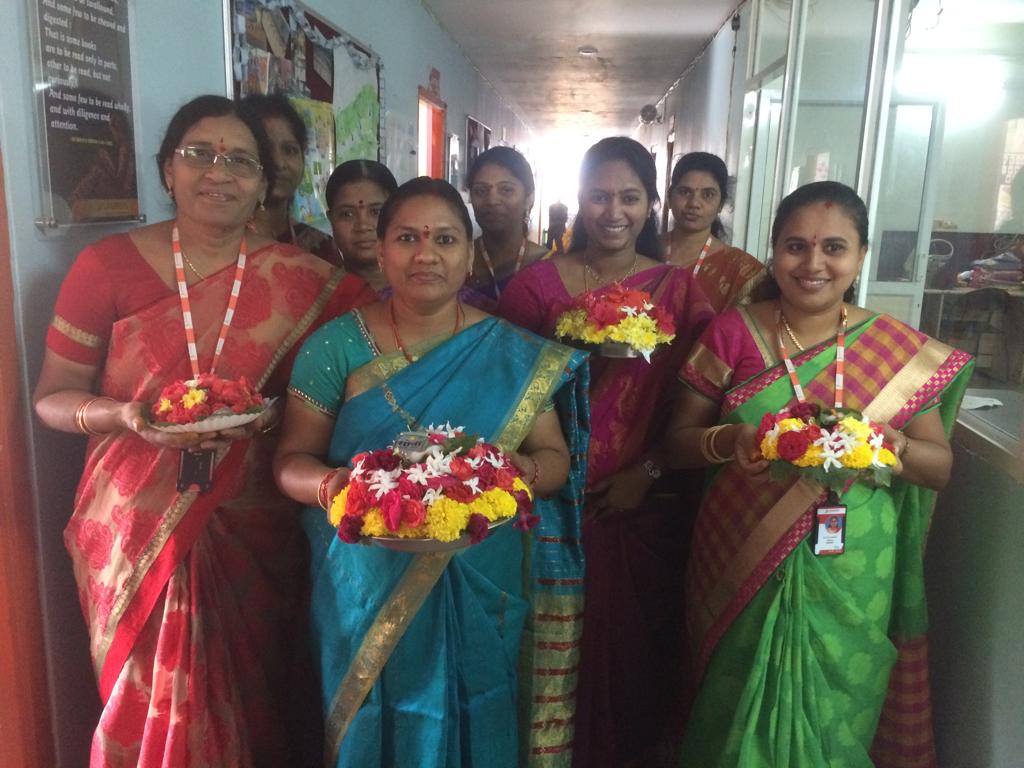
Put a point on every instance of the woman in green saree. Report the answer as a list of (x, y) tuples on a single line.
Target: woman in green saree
[(804, 659), (425, 657)]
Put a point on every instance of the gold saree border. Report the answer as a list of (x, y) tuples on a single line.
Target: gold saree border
[(387, 629), (169, 522), (544, 378), (710, 365), (75, 333), (787, 511)]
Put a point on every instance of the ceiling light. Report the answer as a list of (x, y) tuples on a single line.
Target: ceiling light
[(587, 50)]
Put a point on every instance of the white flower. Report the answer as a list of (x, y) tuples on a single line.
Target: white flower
[(439, 464), (475, 463), (431, 495), (473, 484), (495, 460), (382, 481), (357, 470), (628, 311), (648, 306), (417, 473)]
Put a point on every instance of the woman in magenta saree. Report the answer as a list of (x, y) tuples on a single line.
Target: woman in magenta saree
[(633, 585), (193, 600), (809, 659)]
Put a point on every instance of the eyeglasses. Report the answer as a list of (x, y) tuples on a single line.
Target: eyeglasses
[(239, 164)]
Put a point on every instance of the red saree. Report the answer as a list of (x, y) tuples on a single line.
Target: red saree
[(192, 600), (633, 585), (727, 276)]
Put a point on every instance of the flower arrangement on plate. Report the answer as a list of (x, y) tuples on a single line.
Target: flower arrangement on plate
[(622, 322), (832, 446), (206, 404), (432, 490)]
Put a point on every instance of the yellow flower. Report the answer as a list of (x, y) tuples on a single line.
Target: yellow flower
[(164, 406), (813, 457), (373, 523), (886, 457), (193, 397), (446, 519), (769, 448), (519, 485), (791, 425), (855, 427), (338, 507), (859, 458)]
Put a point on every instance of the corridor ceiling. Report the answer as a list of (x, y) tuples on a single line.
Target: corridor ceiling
[(529, 51)]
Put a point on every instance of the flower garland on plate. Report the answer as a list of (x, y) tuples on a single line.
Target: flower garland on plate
[(617, 314), (193, 400), (450, 485), (832, 446)]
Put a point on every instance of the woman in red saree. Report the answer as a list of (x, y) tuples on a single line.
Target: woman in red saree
[(633, 585), (805, 657), (192, 599), (727, 275)]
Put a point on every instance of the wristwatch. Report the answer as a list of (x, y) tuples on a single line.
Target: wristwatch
[(652, 469)]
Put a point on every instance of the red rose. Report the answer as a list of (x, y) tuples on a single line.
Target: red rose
[(413, 512), (408, 488), (391, 508), (503, 478), (805, 411), (350, 529), (793, 445), (461, 468), (357, 501), (477, 527), (388, 461), (459, 492), (604, 315), (488, 476), (478, 451), (767, 422)]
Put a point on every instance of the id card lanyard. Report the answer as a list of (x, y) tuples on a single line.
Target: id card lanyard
[(490, 266), (830, 517), (186, 307), (704, 251)]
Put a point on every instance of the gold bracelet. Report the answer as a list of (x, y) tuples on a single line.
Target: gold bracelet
[(80, 421), (707, 445)]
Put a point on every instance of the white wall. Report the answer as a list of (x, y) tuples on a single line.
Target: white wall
[(705, 102), (177, 54)]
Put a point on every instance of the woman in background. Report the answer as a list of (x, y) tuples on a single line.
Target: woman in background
[(194, 601), (356, 193), (699, 191), (420, 654), (795, 651), (288, 139), (632, 634), (501, 190)]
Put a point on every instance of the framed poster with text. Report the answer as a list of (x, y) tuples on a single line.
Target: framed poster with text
[(86, 117)]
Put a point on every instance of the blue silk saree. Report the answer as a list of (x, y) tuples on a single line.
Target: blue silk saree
[(441, 659)]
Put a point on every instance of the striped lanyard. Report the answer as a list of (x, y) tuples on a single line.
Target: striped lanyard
[(490, 266), (703, 255), (186, 307), (705, 249), (798, 390)]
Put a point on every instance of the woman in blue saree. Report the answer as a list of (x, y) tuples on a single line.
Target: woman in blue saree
[(435, 658)]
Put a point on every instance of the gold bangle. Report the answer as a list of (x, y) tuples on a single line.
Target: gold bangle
[(80, 421), (707, 445)]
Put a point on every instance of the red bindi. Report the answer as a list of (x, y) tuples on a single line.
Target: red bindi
[(221, 147), (360, 204), (828, 203), (426, 231)]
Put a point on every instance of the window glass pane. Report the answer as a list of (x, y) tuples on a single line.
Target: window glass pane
[(953, 158), (772, 32)]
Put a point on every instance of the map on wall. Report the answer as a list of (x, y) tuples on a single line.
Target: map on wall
[(356, 108)]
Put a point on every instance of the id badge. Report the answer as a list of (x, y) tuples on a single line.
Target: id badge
[(195, 471), (830, 529)]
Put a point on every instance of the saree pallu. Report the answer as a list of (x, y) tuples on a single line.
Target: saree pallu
[(728, 276), (193, 601), (796, 652), (424, 658)]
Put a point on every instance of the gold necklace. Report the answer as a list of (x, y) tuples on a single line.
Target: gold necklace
[(192, 266), (398, 339), (587, 269), (789, 332)]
